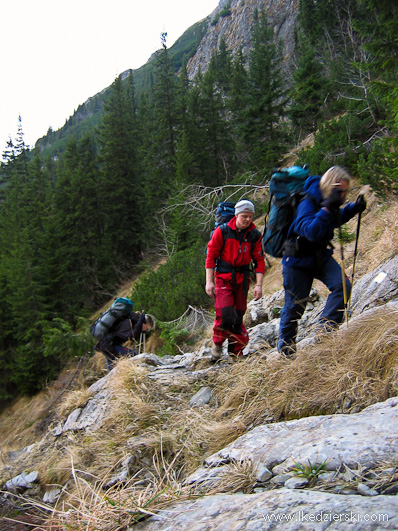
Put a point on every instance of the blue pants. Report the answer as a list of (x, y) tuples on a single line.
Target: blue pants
[(297, 284)]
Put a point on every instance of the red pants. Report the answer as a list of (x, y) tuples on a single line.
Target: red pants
[(230, 306)]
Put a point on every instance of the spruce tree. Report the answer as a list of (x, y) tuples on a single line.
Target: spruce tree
[(379, 26), (25, 273), (119, 185), (263, 130), (309, 90), (162, 130)]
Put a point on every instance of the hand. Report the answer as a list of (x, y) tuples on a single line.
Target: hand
[(257, 292), (210, 289), (360, 204), (334, 201)]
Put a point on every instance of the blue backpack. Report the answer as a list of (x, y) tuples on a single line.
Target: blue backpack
[(119, 310), (224, 213), (286, 191)]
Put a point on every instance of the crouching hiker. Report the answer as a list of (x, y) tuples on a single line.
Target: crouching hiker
[(308, 254), (229, 253), (129, 328)]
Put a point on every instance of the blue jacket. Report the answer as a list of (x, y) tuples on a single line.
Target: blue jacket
[(315, 225)]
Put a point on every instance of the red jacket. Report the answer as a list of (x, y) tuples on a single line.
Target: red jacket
[(234, 253)]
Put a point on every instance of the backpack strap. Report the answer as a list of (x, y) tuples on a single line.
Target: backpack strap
[(300, 247), (225, 267)]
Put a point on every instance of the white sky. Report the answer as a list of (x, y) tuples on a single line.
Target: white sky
[(55, 54)]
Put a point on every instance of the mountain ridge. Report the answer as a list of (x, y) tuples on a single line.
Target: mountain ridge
[(231, 20)]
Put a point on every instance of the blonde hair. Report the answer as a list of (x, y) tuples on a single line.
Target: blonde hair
[(335, 174), (150, 321)]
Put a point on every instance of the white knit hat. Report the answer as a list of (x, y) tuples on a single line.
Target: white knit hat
[(244, 206)]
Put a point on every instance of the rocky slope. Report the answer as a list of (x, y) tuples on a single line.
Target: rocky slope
[(347, 459), (236, 28)]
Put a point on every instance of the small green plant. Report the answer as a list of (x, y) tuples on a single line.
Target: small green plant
[(225, 12), (173, 336), (276, 312), (215, 19), (345, 236), (310, 471)]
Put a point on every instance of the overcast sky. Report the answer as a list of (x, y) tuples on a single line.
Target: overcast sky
[(58, 53)]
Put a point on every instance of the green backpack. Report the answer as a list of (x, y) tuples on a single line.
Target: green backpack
[(119, 310), (286, 191)]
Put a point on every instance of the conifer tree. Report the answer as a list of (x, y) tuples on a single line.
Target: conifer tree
[(222, 63), (160, 154), (379, 25), (25, 273), (119, 183), (83, 263), (236, 104), (309, 90), (185, 147), (263, 130)]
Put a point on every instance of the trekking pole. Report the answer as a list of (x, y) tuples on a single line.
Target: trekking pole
[(355, 255), (343, 276), (139, 344), (144, 337)]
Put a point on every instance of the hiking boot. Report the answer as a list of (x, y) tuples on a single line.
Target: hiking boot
[(216, 352), (233, 358), (288, 351)]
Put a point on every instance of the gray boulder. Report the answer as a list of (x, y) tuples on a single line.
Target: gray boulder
[(287, 509)]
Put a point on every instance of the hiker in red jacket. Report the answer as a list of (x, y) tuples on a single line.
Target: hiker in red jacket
[(229, 254)]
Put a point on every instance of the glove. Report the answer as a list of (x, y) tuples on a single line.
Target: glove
[(334, 201), (360, 204)]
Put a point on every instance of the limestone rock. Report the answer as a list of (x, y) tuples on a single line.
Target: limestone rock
[(363, 438), (296, 483), (287, 509), (236, 29), (376, 288), (51, 495), (22, 482), (202, 397)]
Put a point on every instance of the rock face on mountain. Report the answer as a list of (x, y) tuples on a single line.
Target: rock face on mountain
[(236, 27)]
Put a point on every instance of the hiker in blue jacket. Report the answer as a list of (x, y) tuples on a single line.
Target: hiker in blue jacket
[(308, 253)]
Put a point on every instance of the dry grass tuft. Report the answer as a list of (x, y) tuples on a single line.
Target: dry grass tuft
[(378, 239), (73, 400), (93, 507), (237, 476), (199, 434), (139, 402), (353, 367), (383, 241)]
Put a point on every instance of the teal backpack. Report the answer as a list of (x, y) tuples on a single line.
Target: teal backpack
[(119, 310), (286, 191)]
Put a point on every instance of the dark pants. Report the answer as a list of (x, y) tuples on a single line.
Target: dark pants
[(114, 352), (297, 284)]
